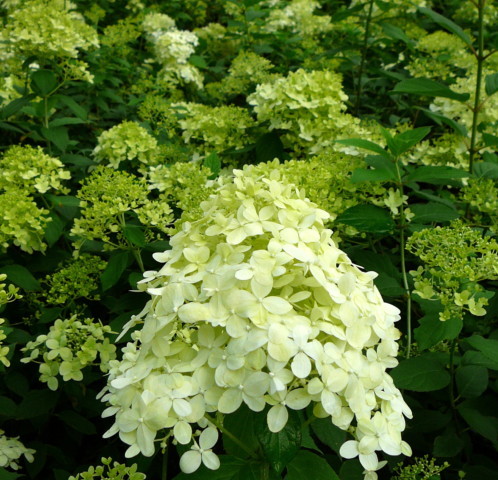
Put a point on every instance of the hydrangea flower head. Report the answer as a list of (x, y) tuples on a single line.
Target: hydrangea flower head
[(256, 304)]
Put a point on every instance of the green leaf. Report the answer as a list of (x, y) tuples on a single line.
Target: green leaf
[(486, 170), (480, 417), (447, 24), (428, 88), (197, 61), (441, 119), (213, 162), (8, 408), (268, 147), (229, 468), (447, 445), (397, 33), (241, 424), (58, 122), (63, 200), (471, 380), (78, 110), (57, 135), (403, 142), (420, 374), (328, 433), (351, 470), (21, 276), (43, 82), (491, 82), (115, 268), (487, 347), (54, 229), (432, 212), (77, 422), (280, 448), (367, 218), (490, 140), (304, 463), (432, 330), (365, 144), (7, 475), (438, 175), (13, 107), (37, 403), (134, 234), (371, 175)]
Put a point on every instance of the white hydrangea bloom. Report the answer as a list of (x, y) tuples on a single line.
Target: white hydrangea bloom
[(11, 450), (256, 304)]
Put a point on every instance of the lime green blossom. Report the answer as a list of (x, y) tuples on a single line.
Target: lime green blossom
[(448, 149), (30, 169), (467, 11), (218, 43), (78, 278), (215, 128), (422, 468), (22, 222), (126, 141), (155, 24), (310, 107), (110, 470), (255, 304), (482, 194), (68, 348), (108, 199), (6, 296), (11, 450), (121, 33), (455, 259), (47, 30)]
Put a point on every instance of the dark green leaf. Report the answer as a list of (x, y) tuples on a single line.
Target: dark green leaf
[(36, 403), (472, 357), (428, 88), (471, 380), (78, 110), (43, 82), (478, 420), (402, 142), (57, 135), (486, 170), (7, 475), (432, 212), (490, 140), (305, 462), (280, 448), (328, 433), (491, 83), (447, 445), (13, 107), (431, 420), (77, 422), (365, 144), (229, 468), (77, 160), (397, 33), (8, 408), (436, 174), (134, 234), (441, 119), (487, 347), (268, 147), (58, 122), (351, 470), (63, 201), (197, 61), (420, 374), (16, 382), (371, 175), (241, 424), (367, 218), (213, 162), (115, 268), (432, 330), (54, 229), (447, 24), (20, 276)]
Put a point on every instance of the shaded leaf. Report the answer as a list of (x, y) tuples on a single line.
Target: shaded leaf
[(491, 82), (436, 174), (115, 268), (471, 380), (420, 374), (447, 24), (305, 462), (367, 218), (432, 212), (428, 88), (20, 276)]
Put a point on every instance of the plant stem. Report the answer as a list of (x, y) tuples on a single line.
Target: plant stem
[(403, 264), (164, 466), (480, 62), (230, 435), (363, 56)]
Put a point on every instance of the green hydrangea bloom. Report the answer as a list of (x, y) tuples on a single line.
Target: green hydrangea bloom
[(68, 347), (110, 470), (110, 198), (215, 128), (11, 450), (455, 259), (482, 194), (30, 169), (78, 278), (7, 295), (126, 141), (22, 222), (46, 29), (422, 468)]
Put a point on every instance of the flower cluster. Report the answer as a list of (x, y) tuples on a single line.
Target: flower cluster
[(6, 296), (46, 29), (11, 450), (79, 278), (30, 169), (255, 304), (456, 259), (215, 128), (482, 194), (126, 141), (423, 468), (108, 199), (110, 470), (310, 107), (68, 348), (172, 49)]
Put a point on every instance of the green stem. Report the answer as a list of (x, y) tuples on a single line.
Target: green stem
[(363, 56), (164, 466), (480, 62), (230, 435), (403, 264), (138, 258)]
